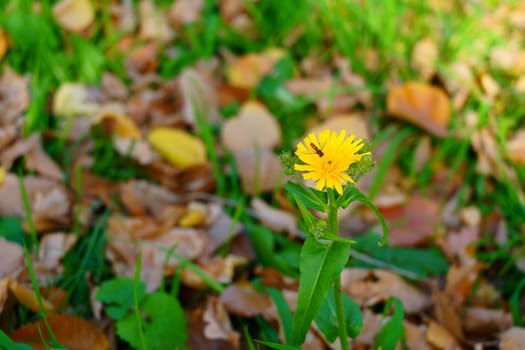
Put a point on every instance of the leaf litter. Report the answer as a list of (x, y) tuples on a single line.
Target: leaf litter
[(162, 133)]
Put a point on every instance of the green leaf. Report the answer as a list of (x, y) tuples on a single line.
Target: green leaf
[(320, 265), (285, 314), (347, 197), (164, 324), (278, 346), (8, 344), (263, 243), (118, 294), (309, 197), (11, 229), (421, 262), (326, 318), (392, 331)]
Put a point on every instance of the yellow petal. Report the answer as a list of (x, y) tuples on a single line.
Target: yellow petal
[(178, 147)]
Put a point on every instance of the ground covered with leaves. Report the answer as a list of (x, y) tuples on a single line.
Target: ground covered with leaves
[(141, 195)]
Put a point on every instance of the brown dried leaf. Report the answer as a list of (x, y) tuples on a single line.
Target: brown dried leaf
[(513, 339), (71, 332), (12, 260), (421, 104), (153, 23), (446, 315), (38, 160), (4, 291), (14, 95), (260, 171), (243, 300), (424, 57), (516, 147), (414, 222), (218, 268), (372, 323), (439, 337), (367, 287), (74, 15), (217, 323), (53, 247), (141, 197), (273, 218), (184, 12), (254, 126), (8, 134), (200, 97), (247, 71), (415, 337), (483, 321)]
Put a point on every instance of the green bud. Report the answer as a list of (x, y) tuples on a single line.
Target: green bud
[(288, 160)]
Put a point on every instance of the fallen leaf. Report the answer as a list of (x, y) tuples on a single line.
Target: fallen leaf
[(4, 43), (119, 125), (260, 171), (153, 23), (72, 99), (14, 95), (142, 198), (4, 292), (254, 126), (372, 323), (28, 298), (217, 323), (490, 86), (3, 174), (424, 56), (194, 216), (421, 104), (446, 315), (184, 12), (439, 337), (12, 260), (200, 97), (218, 268), (140, 150), (367, 287), (71, 332), (8, 134), (247, 71), (74, 15), (352, 123), (513, 339), (413, 222), (273, 218), (53, 247), (415, 336), (243, 300), (179, 147), (483, 321), (516, 147)]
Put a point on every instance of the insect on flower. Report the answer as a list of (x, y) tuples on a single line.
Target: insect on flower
[(326, 159)]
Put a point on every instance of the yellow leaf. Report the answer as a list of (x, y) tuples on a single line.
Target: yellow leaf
[(28, 298), (121, 125), (178, 147), (2, 175), (74, 15), (192, 218), (4, 43)]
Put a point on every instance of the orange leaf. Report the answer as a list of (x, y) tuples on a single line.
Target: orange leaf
[(71, 332), (28, 298), (421, 104)]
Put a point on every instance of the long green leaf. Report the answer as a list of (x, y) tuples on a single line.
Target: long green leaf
[(310, 197), (320, 265), (366, 201)]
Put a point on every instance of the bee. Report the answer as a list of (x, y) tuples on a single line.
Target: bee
[(316, 149)]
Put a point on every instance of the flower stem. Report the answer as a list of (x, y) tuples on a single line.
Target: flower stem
[(339, 309)]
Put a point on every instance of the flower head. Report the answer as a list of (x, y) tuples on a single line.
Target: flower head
[(327, 159)]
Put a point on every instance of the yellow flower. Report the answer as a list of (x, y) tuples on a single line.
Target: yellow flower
[(327, 160)]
